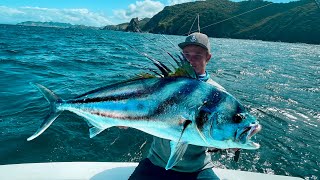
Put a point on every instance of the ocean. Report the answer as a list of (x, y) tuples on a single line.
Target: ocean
[(278, 82)]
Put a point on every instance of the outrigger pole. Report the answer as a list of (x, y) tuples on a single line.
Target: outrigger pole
[(198, 23), (197, 17)]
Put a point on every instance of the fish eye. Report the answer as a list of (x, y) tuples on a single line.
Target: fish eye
[(238, 118)]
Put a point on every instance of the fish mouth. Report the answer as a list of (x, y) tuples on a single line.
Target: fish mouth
[(254, 130), (245, 135)]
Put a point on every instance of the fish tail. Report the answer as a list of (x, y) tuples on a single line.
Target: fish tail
[(53, 113)]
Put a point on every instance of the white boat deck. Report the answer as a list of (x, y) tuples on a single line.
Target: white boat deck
[(105, 170)]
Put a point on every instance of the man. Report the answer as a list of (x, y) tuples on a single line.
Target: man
[(196, 162)]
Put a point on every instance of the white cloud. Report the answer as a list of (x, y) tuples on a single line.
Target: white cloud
[(145, 8), (141, 9), (73, 16)]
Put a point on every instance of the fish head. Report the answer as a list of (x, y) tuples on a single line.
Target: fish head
[(233, 125), (244, 126)]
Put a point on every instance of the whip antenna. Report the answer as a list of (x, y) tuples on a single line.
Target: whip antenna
[(198, 23), (193, 24), (197, 17)]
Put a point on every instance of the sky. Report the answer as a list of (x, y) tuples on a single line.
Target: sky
[(83, 12)]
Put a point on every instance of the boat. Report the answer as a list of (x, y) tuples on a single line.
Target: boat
[(106, 170)]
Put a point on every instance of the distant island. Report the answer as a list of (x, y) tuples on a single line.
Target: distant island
[(55, 24), (134, 25), (296, 22)]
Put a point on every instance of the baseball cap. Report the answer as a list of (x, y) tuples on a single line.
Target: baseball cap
[(198, 39)]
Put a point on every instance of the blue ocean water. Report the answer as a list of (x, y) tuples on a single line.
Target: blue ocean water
[(278, 82)]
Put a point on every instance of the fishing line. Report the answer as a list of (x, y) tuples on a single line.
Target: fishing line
[(163, 50), (171, 42)]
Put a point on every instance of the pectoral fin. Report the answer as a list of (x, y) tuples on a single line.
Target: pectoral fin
[(95, 131), (177, 151), (186, 123), (177, 148)]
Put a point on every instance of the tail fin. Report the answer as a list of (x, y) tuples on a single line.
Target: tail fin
[(53, 114)]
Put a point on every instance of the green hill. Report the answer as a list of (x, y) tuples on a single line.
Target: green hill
[(289, 22)]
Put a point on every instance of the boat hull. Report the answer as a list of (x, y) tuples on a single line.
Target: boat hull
[(105, 170)]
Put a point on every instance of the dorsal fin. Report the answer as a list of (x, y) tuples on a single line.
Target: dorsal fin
[(175, 60), (183, 69), (163, 68)]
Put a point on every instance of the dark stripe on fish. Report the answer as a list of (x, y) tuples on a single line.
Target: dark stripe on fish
[(158, 86), (136, 94), (122, 116), (183, 92), (210, 103)]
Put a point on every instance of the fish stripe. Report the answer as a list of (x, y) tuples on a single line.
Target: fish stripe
[(205, 111), (176, 98), (183, 91), (158, 86), (136, 94)]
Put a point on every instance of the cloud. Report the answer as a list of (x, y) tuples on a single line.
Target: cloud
[(141, 9), (73, 16)]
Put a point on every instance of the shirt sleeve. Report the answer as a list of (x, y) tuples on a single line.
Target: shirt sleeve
[(215, 84)]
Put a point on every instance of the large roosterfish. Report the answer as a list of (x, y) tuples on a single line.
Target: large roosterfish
[(172, 105)]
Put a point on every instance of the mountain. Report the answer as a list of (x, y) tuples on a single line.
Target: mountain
[(298, 24), (297, 21), (119, 27), (55, 24), (135, 25)]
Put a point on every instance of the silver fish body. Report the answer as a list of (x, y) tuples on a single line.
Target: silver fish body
[(161, 107)]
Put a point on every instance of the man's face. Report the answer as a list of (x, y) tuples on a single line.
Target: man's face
[(198, 57)]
